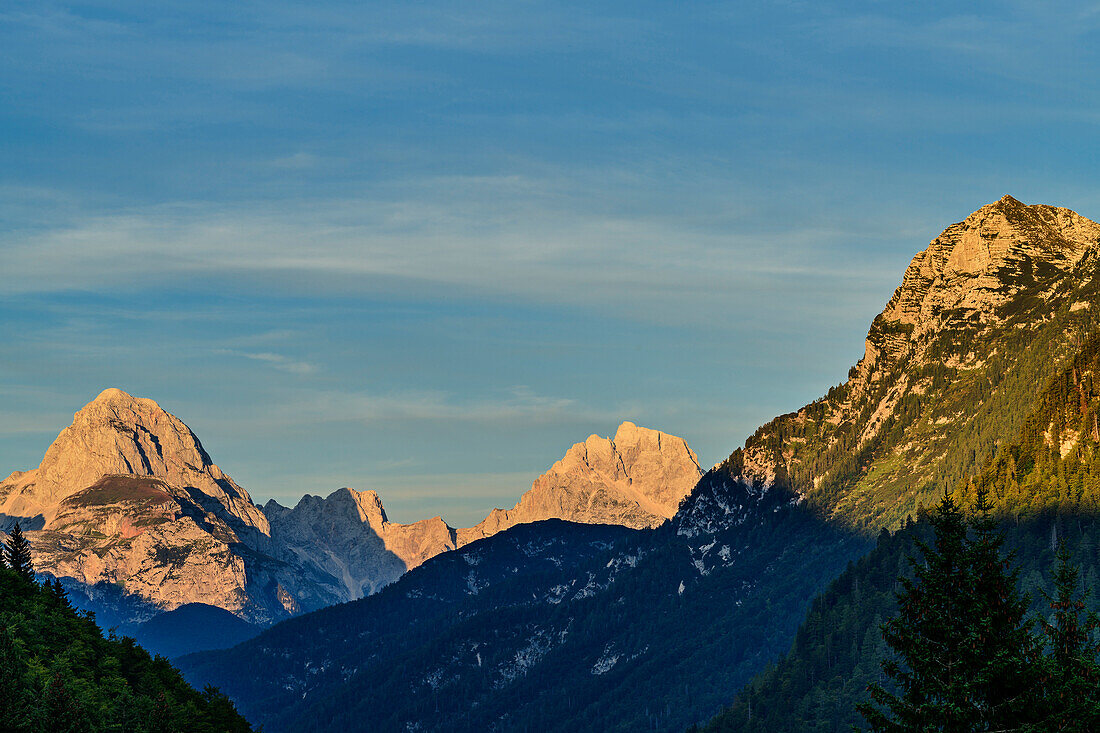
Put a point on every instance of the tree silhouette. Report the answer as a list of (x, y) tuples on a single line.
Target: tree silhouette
[(1072, 675), (964, 656), (17, 553)]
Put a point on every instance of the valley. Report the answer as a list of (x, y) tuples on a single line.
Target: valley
[(641, 589)]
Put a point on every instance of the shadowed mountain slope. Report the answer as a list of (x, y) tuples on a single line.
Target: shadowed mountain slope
[(676, 621), (1045, 484)]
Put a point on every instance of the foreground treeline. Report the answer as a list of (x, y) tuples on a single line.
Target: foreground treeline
[(939, 628), (59, 674), (1044, 487)]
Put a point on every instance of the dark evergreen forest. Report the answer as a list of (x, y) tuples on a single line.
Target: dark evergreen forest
[(58, 673)]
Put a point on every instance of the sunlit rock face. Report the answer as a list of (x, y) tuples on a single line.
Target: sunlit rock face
[(984, 313), (127, 496), (348, 537), (636, 479), (127, 500), (119, 434)]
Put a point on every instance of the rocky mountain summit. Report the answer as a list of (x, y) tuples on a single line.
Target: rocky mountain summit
[(348, 537), (636, 479), (982, 315), (119, 434), (128, 504)]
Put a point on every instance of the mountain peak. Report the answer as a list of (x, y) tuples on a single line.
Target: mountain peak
[(968, 311), (117, 398), (629, 430), (113, 394), (367, 504), (119, 434), (635, 479)]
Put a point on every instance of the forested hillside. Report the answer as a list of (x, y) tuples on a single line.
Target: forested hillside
[(1044, 485), (58, 673), (539, 629)]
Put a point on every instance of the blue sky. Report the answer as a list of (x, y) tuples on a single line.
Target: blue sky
[(424, 247)]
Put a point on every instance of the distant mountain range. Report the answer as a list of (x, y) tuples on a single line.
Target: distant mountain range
[(658, 631), (128, 508), (676, 590)]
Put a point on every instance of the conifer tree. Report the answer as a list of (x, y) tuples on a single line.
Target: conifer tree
[(14, 705), (59, 710), (964, 658), (17, 553), (1072, 676), (57, 592)]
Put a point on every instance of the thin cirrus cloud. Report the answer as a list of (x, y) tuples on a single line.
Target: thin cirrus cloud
[(514, 405), (335, 234), (652, 267), (278, 361)]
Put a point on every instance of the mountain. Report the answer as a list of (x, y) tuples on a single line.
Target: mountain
[(123, 435), (666, 628), (347, 536), (1044, 483), (549, 626), (129, 510), (127, 498), (189, 628), (988, 310), (636, 479)]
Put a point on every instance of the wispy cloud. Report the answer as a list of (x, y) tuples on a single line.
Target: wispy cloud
[(514, 405), (279, 361), (510, 236)]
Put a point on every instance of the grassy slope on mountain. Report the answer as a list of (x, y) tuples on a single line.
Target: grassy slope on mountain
[(1045, 482), (928, 410), (57, 670)]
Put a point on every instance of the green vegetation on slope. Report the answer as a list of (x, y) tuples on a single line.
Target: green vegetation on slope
[(931, 404), (58, 673), (839, 649), (1044, 485)]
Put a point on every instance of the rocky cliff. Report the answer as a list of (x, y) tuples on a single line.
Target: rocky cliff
[(982, 315), (348, 536), (128, 504), (636, 479)]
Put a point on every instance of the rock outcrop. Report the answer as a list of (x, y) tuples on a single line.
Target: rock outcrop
[(636, 479), (348, 536), (981, 316), (127, 503)]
